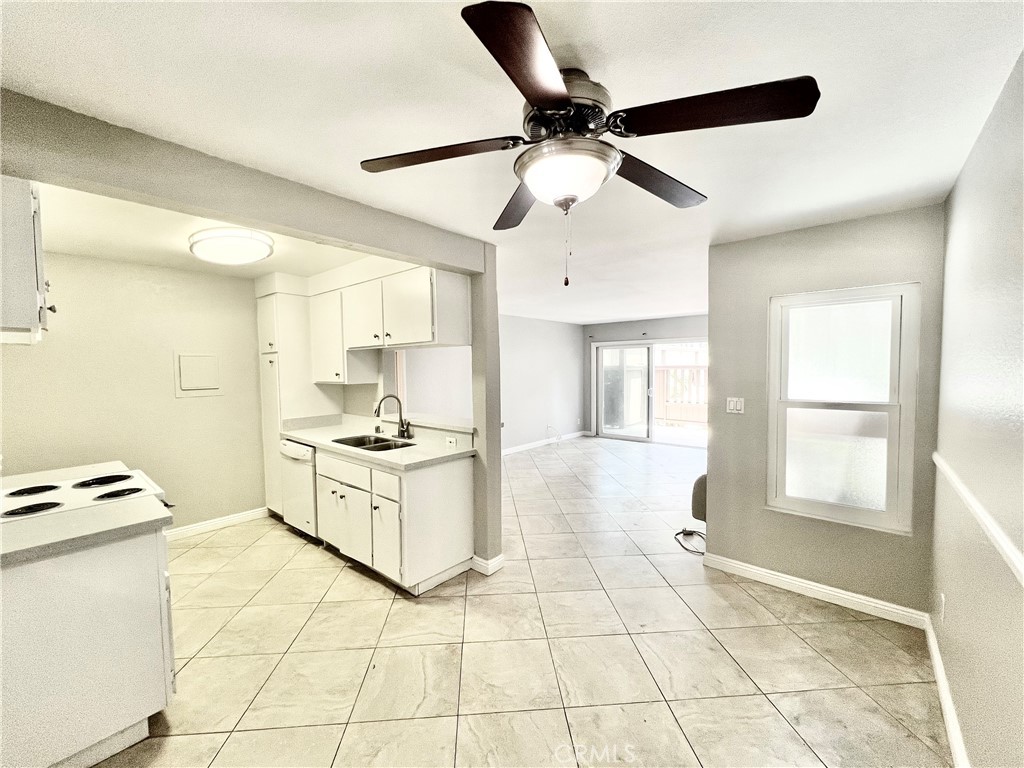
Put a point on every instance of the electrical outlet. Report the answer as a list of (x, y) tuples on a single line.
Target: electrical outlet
[(579, 422), (451, 442), (942, 606)]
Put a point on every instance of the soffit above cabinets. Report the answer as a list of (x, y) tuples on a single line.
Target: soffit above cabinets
[(83, 224)]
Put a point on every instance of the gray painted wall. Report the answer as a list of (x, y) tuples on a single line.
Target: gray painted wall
[(542, 368), (899, 247), (683, 327), (980, 636), (100, 385)]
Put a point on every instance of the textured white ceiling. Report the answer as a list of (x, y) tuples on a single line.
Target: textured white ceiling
[(307, 90), (83, 224)]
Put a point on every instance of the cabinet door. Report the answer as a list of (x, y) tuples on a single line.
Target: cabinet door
[(363, 315), (345, 514), (271, 425), (408, 307), (327, 354), (387, 538), (266, 323)]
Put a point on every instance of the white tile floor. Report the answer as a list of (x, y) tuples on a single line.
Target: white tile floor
[(600, 642)]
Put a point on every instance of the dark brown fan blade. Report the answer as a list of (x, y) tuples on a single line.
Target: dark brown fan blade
[(779, 100), (389, 163), (510, 32), (516, 209), (658, 183)]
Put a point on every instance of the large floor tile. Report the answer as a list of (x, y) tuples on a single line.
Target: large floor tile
[(205, 560), (503, 617), (453, 587), (916, 706), (741, 731), (195, 627), (537, 507), (564, 575), (349, 624), (426, 743), (315, 556), (534, 739), (513, 577), (296, 586), (641, 735), (552, 545), (506, 676), (309, 689), (590, 522), (601, 670), (258, 630), (183, 583), (845, 727), (635, 520), (572, 614), (409, 682), (223, 589), (777, 660), (653, 609), (312, 747), (691, 665), (192, 751), (721, 606), (607, 544), (281, 534), (791, 608), (625, 572), (213, 694), (264, 557), (910, 639), (356, 583), (582, 507), (234, 536), (425, 620), (863, 655), (513, 547), (684, 569), (532, 525)]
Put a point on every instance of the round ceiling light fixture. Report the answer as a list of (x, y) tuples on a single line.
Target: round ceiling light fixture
[(231, 246), (564, 172)]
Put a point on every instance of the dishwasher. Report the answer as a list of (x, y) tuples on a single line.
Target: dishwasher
[(298, 486)]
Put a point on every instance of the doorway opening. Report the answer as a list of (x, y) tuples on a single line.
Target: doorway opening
[(655, 392)]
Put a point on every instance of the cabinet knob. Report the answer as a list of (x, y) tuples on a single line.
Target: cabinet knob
[(337, 375), (334, 493), (270, 361), (376, 508), (52, 308), (271, 344), (387, 335), (376, 335)]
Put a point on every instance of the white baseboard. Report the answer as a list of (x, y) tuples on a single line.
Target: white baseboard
[(539, 443), (218, 522), (487, 567), (953, 732), (857, 602)]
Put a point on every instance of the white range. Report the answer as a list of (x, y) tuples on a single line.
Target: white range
[(86, 650)]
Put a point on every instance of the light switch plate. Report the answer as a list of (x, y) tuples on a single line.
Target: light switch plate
[(734, 405)]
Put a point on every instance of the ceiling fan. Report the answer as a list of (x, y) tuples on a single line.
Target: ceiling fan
[(566, 113)]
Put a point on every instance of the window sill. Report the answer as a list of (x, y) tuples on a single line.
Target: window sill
[(841, 521)]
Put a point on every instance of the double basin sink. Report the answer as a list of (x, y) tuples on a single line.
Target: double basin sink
[(372, 442)]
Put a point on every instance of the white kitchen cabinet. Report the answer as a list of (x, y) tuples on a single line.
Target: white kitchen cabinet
[(271, 427), (363, 318), (387, 537), (344, 518), (330, 362), (266, 323), (23, 310), (409, 308)]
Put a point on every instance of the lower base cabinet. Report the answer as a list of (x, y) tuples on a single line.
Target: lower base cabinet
[(343, 515), (387, 538)]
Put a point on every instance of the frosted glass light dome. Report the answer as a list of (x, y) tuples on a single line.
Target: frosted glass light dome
[(231, 246), (564, 172)]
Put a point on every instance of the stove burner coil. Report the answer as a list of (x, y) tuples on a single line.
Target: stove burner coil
[(32, 509), (32, 490), (98, 482), (117, 494)]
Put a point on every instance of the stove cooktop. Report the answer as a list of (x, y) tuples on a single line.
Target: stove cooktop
[(75, 494)]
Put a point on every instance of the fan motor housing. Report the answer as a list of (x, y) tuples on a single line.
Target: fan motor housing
[(591, 105)]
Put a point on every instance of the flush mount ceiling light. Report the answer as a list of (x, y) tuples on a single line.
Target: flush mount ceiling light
[(564, 172), (232, 246)]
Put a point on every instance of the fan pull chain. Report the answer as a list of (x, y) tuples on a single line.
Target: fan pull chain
[(568, 245)]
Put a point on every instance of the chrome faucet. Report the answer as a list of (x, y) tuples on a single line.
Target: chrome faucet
[(404, 427)]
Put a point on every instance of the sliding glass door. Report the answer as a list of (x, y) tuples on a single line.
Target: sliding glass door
[(624, 387)]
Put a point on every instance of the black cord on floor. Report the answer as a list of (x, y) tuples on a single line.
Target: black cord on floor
[(691, 550)]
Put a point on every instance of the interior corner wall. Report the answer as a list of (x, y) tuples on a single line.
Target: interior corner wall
[(100, 385), (906, 246), (980, 633), (681, 327), (542, 370)]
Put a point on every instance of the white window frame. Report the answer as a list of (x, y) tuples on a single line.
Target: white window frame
[(901, 407)]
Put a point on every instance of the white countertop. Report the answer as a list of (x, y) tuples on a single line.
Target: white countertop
[(50, 534), (425, 451)]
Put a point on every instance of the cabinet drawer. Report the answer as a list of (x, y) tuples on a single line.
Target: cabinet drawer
[(343, 471), (387, 485)]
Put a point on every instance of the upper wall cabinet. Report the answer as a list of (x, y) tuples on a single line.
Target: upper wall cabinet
[(415, 307), (329, 362), (23, 304)]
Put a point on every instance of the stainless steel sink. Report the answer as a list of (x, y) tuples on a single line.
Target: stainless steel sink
[(372, 442)]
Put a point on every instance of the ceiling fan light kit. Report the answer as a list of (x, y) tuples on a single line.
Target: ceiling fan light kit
[(567, 113)]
